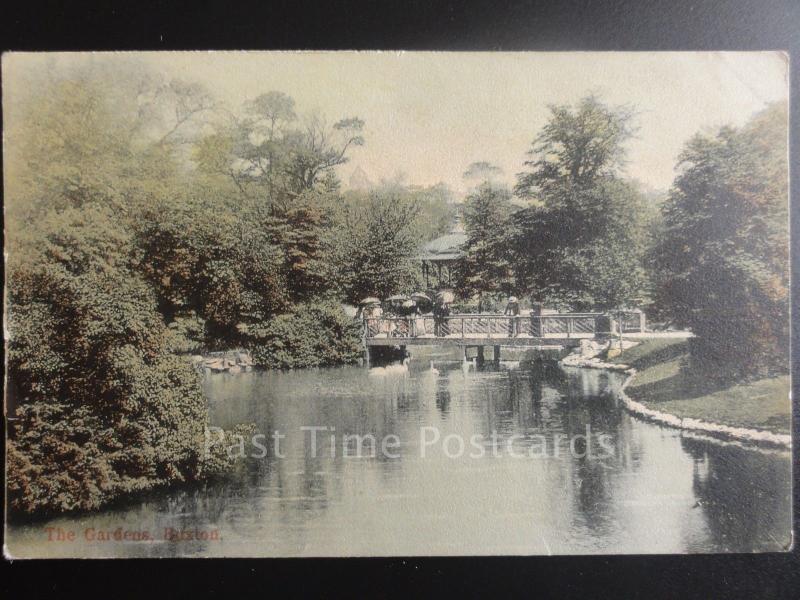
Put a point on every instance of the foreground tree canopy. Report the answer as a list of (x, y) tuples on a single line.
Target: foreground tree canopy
[(581, 243), (722, 260)]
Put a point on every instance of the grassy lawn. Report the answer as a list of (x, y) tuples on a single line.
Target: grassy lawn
[(661, 384)]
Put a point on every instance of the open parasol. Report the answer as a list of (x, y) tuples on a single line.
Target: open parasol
[(445, 297)]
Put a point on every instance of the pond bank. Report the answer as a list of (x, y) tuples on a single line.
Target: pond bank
[(225, 361), (657, 390)]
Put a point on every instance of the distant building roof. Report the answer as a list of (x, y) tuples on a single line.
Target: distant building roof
[(446, 247)]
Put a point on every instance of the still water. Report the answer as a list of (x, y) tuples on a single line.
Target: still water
[(550, 465)]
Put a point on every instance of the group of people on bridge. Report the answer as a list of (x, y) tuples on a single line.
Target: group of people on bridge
[(412, 316)]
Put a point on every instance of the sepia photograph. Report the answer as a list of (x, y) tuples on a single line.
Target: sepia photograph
[(396, 303)]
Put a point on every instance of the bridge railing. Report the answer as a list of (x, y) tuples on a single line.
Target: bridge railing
[(566, 325), (631, 321)]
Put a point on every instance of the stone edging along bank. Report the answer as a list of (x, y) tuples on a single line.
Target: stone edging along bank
[(741, 434)]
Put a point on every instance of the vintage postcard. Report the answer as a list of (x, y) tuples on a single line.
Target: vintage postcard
[(279, 304)]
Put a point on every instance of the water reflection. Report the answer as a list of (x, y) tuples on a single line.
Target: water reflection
[(550, 464), (744, 514)]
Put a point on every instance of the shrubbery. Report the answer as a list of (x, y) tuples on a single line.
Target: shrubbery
[(311, 335), (103, 408), (142, 227)]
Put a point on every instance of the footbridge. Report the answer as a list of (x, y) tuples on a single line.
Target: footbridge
[(557, 330)]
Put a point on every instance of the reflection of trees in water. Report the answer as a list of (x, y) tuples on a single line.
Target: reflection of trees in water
[(515, 398), (597, 409), (587, 383), (203, 508), (371, 409), (530, 408), (629, 448), (508, 399), (588, 409), (744, 494), (582, 421), (549, 401), (606, 415), (592, 492), (207, 504), (527, 388)]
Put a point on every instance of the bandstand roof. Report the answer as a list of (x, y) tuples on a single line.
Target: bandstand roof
[(446, 247)]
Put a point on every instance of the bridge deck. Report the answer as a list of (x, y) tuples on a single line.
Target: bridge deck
[(550, 330), (482, 340)]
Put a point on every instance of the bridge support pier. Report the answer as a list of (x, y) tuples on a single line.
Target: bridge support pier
[(480, 355), (496, 354)]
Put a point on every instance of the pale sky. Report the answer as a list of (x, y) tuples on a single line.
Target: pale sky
[(428, 115)]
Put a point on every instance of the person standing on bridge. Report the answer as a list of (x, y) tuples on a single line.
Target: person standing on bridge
[(441, 310), (407, 310), (512, 310)]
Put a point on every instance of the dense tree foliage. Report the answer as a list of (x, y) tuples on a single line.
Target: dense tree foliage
[(213, 263), (577, 147), (722, 260), (103, 407), (272, 154), (139, 230), (581, 244), (486, 267), (310, 335), (371, 244)]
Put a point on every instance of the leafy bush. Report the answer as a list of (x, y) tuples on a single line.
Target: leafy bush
[(722, 260), (186, 334), (219, 264), (222, 457), (103, 408), (311, 335)]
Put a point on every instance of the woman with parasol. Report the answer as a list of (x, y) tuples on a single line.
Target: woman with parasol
[(370, 307), (422, 305), (394, 308), (371, 312), (394, 304), (441, 310)]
